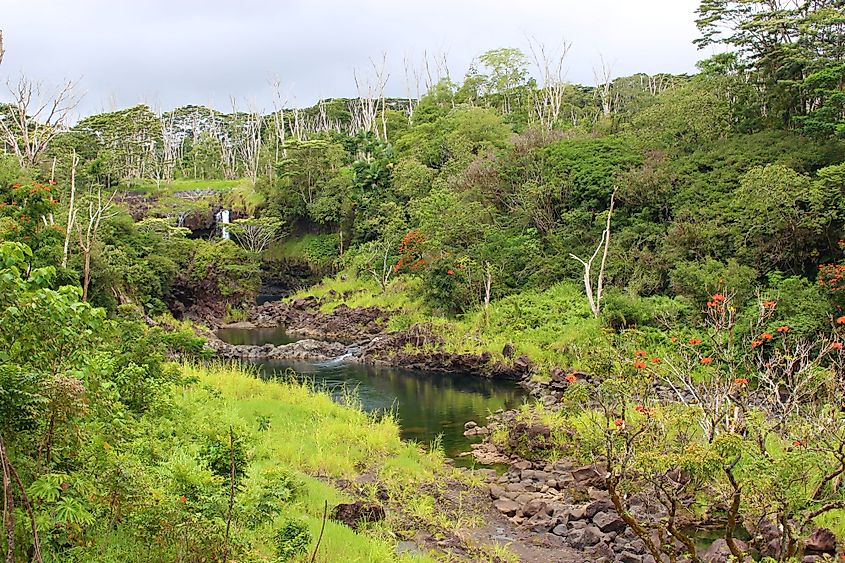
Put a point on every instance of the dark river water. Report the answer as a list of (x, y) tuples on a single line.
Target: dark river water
[(427, 405)]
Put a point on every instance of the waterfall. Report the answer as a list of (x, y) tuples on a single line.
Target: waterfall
[(222, 218)]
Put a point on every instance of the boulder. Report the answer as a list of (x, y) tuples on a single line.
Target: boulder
[(584, 537), (506, 506), (821, 540), (589, 475), (357, 512), (609, 522), (598, 506), (718, 552)]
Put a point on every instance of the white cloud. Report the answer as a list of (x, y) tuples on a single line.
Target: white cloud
[(174, 52)]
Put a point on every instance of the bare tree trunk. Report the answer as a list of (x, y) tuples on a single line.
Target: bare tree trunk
[(71, 212), (98, 209), (594, 296), (549, 101), (2, 50), (604, 85)]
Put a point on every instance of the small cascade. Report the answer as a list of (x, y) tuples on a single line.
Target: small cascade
[(222, 218), (336, 361), (180, 219)]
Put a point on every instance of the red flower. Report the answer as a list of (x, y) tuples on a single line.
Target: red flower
[(640, 353), (639, 364), (618, 422), (783, 329), (694, 341), (450, 272), (706, 360), (571, 378), (655, 360), (797, 443), (741, 381), (718, 298), (836, 345), (182, 499), (766, 336)]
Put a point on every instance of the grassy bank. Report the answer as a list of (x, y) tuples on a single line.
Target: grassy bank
[(552, 327), (291, 443)]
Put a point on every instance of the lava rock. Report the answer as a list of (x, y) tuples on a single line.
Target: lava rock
[(357, 512), (609, 522)]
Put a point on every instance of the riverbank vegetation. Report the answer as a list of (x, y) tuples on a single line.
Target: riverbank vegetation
[(681, 233)]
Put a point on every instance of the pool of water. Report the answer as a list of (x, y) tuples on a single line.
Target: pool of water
[(428, 406)]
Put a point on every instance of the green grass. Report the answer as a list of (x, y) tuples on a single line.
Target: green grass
[(316, 438), (552, 327), (150, 187)]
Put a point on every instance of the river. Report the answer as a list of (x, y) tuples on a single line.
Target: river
[(427, 405)]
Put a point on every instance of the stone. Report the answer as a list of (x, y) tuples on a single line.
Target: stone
[(506, 506), (496, 491), (560, 530), (598, 506), (589, 475), (577, 513), (540, 523), (535, 506), (718, 552), (821, 540), (584, 537), (470, 425), (521, 465), (609, 522), (357, 512), (628, 557), (525, 498)]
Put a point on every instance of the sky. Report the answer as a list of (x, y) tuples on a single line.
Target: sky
[(168, 53)]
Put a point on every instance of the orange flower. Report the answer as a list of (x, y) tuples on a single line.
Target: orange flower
[(571, 378), (655, 360), (640, 353), (783, 329), (706, 360), (694, 341), (741, 381), (450, 272), (766, 336), (755, 343), (797, 443), (840, 321), (718, 298), (769, 304), (836, 345), (182, 499), (639, 364), (618, 422)]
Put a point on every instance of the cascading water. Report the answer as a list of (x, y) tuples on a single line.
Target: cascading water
[(222, 218)]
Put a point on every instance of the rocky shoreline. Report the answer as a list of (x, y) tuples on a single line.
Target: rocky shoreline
[(360, 334)]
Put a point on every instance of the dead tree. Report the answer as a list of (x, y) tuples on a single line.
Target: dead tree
[(279, 104), (604, 86), (71, 211), (99, 208), (371, 100), (594, 295), (2, 50), (35, 116), (549, 100)]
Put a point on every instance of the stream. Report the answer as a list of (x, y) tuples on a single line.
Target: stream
[(427, 405)]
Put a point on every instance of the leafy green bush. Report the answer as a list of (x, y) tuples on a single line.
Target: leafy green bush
[(291, 539)]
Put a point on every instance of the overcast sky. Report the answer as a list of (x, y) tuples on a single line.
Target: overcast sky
[(168, 53)]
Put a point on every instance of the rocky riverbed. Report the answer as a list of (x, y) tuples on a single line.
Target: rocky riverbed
[(361, 335)]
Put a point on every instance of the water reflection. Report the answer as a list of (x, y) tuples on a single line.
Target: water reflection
[(427, 404)]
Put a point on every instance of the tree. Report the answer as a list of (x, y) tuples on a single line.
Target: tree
[(256, 234), (34, 117), (594, 296), (508, 70), (98, 208), (548, 102)]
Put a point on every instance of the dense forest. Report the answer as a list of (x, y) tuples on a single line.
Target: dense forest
[(659, 258)]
